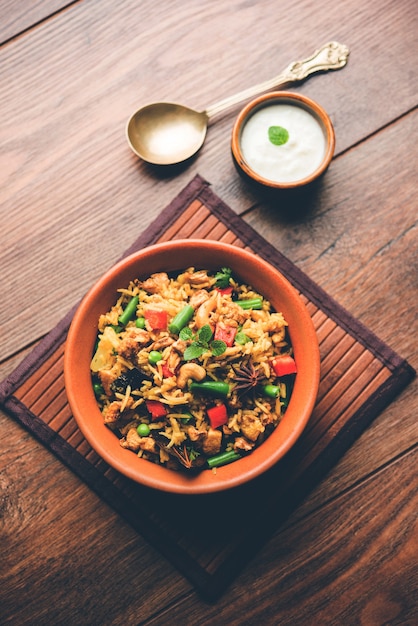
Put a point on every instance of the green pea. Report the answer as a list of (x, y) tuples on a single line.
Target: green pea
[(272, 391), (154, 356), (143, 430), (140, 322), (98, 389), (241, 338)]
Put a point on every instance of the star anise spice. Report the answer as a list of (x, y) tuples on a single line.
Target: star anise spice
[(247, 377), (180, 453)]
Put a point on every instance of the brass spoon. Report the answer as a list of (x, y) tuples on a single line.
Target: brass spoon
[(165, 133)]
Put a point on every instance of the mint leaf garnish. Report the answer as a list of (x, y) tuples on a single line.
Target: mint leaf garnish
[(278, 135), (205, 334), (201, 343), (217, 347), (194, 351), (186, 333), (223, 277)]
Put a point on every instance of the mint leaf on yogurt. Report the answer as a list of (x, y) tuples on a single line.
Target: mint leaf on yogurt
[(278, 135)]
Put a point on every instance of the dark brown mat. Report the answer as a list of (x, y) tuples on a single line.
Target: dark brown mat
[(210, 539)]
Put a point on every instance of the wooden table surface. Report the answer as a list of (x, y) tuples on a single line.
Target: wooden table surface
[(73, 197)]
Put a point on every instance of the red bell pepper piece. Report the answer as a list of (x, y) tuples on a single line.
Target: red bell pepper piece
[(156, 319), (284, 365), (218, 415), (157, 409), (226, 334), (225, 291), (167, 373)]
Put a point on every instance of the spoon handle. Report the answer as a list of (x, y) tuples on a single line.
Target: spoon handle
[(332, 56)]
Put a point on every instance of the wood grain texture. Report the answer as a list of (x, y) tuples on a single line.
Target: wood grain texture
[(368, 581), (72, 197), (17, 17), (47, 502)]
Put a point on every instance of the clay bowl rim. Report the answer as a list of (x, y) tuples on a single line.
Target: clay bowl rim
[(284, 97), (80, 344)]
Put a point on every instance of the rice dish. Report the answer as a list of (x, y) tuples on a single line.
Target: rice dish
[(192, 370)]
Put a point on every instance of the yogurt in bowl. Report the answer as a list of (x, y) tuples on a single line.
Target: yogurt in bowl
[(283, 140)]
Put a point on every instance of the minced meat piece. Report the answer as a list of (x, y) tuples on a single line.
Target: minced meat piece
[(212, 442), (251, 426)]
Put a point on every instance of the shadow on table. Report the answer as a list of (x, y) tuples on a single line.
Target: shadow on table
[(290, 205)]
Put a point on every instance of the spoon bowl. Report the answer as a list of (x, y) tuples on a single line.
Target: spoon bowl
[(165, 133)]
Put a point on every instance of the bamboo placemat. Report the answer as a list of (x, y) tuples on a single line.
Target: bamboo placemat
[(211, 538)]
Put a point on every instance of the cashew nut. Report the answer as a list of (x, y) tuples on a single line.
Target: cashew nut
[(190, 370), (279, 336), (198, 278), (203, 312)]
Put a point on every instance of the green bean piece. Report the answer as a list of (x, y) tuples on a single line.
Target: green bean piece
[(186, 418), (253, 303), (129, 311), (154, 356), (140, 322), (272, 391), (182, 318), (216, 389), (143, 430), (223, 458)]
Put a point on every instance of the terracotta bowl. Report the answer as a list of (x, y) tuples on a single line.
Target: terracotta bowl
[(178, 255), (251, 155)]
